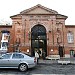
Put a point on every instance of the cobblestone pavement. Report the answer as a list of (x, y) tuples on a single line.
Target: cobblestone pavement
[(50, 69)]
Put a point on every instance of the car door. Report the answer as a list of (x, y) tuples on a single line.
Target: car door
[(16, 59), (5, 60)]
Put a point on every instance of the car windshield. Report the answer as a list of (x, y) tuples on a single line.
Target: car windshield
[(6, 56)]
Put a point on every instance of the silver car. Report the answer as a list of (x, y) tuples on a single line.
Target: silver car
[(17, 60)]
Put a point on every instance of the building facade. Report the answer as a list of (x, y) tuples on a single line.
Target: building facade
[(43, 29)]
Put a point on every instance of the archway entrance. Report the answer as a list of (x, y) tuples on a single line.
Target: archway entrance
[(38, 40)]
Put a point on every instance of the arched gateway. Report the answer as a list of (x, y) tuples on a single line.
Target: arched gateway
[(38, 40)]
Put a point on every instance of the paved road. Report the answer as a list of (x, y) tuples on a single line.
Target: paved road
[(43, 70)]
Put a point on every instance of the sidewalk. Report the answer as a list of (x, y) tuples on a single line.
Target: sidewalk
[(41, 61)]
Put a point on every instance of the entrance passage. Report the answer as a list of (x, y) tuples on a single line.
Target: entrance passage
[(38, 41), (61, 51)]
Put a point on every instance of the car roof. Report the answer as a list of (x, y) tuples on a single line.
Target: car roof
[(17, 53)]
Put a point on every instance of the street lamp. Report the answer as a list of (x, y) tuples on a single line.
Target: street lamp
[(51, 50)]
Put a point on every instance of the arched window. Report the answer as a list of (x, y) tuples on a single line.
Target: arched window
[(38, 32), (70, 37)]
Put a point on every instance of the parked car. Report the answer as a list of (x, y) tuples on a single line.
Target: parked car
[(17, 60)]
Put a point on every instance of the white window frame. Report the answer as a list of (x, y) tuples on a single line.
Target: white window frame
[(70, 37)]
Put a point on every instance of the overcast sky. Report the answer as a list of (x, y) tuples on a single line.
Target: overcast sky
[(13, 7)]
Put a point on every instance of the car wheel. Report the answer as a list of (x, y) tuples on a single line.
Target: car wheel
[(23, 67)]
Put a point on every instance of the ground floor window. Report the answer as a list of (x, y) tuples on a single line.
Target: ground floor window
[(72, 53), (4, 44)]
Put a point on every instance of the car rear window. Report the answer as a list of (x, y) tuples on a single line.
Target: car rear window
[(28, 55)]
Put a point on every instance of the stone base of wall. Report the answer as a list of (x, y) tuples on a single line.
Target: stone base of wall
[(67, 55)]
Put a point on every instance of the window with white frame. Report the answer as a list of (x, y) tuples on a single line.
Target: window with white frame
[(70, 37)]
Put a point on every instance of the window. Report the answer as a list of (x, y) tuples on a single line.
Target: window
[(4, 44), (6, 56), (18, 56), (70, 37), (71, 53)]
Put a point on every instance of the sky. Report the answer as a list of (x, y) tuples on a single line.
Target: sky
[(12, 7)]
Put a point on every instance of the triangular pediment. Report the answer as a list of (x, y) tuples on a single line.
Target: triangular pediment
[(39, 9)]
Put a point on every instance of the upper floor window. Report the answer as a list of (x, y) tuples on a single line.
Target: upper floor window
[(70, 37)]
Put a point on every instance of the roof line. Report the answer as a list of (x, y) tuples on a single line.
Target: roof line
[(38, 5)]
